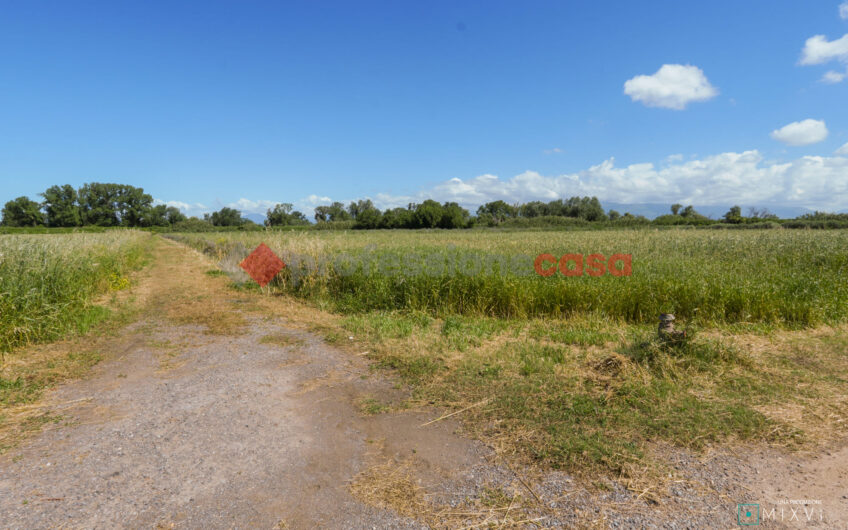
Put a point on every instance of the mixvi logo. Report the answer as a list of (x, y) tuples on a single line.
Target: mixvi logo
[(748, 514), (786, 510)]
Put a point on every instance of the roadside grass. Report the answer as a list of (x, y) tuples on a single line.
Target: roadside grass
[(600, 400), (49, 284), (28, 381)]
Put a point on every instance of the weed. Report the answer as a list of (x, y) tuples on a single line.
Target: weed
[(372, 406)]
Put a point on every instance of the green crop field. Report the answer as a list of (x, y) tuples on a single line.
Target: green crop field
[(779, 277), (49, 283), (569, 370)]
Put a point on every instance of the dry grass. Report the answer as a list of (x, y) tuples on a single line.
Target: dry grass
[(281, 339), (394, 485), (391, 485)]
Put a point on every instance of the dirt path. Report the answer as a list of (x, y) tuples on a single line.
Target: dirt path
[(213, 412), (256, 427)]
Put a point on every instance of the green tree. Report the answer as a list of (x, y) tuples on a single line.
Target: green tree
[(333, 212), (613, 215), (675, 208), (105, 204), (428, 214), (591, 209), (453, 216), (398, 218), (97, 204), (155, 216), (690, 213), (174, 215), (498, 211), (225, 217), (22, 212), (284, 215), (132, 204), (734, 215), (533, 209), (61, 206), (365, 213)]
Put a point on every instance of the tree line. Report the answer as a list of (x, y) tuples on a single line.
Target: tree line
[(93, 204), (105, 204), (432, 214)]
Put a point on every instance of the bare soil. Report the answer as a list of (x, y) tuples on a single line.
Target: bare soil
[(216, 409)]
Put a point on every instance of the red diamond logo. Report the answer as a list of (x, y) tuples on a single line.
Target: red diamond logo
[(262, 264)]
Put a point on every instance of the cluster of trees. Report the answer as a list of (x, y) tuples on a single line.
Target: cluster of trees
[(734, 215), (431, 214), (96, 204), (681, 215), (586, 208), (428, 214), (285, 215), (105, 204)]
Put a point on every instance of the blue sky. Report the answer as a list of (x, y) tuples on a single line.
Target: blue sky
[(208, 104)]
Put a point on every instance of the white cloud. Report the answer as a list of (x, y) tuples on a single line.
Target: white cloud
[(833, 77), (247, 206), (186, 208), (673, 86), (814, 182), (727, 178), (555, 150), (818, 50), (315, 200), (843, 10), (804, 132)]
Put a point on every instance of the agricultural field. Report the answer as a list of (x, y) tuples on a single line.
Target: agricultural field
[(568, 371), (776, 278)]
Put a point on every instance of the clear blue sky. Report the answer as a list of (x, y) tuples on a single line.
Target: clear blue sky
[(212, 102)]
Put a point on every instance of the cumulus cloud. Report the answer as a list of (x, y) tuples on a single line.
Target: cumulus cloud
[(818, 50), (247, 206), (843, 10), (673, 86), (804, 132), (728, 178), (832, 77), (842, 151)]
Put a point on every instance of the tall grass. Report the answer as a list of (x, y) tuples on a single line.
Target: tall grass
[(48, 282), (778, 277)]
